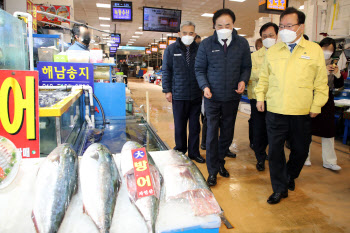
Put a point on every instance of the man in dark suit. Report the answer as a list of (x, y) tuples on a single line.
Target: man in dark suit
[(223, 67), (181, 89)]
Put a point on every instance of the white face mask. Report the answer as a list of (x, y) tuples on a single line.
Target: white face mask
[(327, 54), (288, 36), (268, 42), (224, 33), (187, 40)]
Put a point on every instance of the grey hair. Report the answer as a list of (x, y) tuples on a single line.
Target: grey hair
[(187, 23)]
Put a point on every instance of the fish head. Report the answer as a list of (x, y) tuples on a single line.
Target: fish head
[(98, 152), (130, 145)]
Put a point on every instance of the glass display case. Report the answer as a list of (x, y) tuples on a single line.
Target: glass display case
[(13, 43), (44, 40)]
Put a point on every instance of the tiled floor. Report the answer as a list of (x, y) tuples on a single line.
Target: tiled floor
[(320, 203)]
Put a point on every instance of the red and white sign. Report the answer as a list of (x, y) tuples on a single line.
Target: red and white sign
[(19, 110), (143, 177)]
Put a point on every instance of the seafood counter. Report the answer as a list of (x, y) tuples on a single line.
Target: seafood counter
[(98, 193)]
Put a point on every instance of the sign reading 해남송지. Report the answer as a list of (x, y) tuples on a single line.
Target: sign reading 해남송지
[(64, 73), (19, 111)]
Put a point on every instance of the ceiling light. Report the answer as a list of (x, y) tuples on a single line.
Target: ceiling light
[(237, 0), (104, 18), (208, 15), (140, 33), (132, 39), (96, 44), (242, 34), (135, 36), (110, 41), (170, 34), (105, 25), (92, 41), (237, 29), (154, 43), (301, 7), (106, 38), (140, 28), (106, 30), (108, 44), (105, 34), (103, 5)]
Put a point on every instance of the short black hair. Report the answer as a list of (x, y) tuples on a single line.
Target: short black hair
[(76, 29), (305, 37), (221, 12), (266, 26), (327, 42), (197, 36), (292, 10)]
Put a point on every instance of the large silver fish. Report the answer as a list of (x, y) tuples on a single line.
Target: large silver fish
[(54, 186), (100, 182), (147, 206)]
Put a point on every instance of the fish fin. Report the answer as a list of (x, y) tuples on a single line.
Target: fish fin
[(84, 210), (35, 223)]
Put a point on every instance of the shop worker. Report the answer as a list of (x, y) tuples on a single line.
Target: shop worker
[(81, 35), (293, 80), (268, 33), (181, 89), (223, 66)]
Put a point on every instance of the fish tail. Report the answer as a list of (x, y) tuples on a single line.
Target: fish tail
[(35, 223)]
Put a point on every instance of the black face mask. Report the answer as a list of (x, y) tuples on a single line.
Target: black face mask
[(85, 39)]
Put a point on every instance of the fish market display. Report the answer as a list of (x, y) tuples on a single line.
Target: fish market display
[(184, 181), (148, 205), (9, 162), (52, 97), (100, 182), (54, 187)]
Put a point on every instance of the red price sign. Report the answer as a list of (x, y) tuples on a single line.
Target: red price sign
[(19, 111), (143, 177)]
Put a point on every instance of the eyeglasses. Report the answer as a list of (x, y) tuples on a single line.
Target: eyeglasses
[(281, 27)]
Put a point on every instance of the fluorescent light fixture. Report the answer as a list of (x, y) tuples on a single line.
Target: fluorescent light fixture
[(170, 34), (242, 34), (108, 44), (106, 38), (106, 30), (103, 5), (208, 15), (131, 42), (105, 35), (132, 39), (237, 0), (135, 36), (301, 7), (96, 44), (140, 28), (104, 18), (105, 25), (140, 33), (92, 41), (154, 43), (110, 41), (237, 29)]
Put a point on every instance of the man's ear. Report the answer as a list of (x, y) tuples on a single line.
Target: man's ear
[(195, 34), (179, 33)]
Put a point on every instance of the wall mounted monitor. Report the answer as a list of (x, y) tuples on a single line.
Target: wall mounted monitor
[(154, 49), (161, 19), (148, 51), (116, 38), (121, 11), (272, 6), (171, 40), (162, 45), (113, 49)]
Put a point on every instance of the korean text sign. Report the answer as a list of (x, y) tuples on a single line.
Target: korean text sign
[(121, 11), (64, 73), (277, 4), (143, 178), (19, 110)]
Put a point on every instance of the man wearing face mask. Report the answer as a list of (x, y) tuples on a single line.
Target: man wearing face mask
[(293, 79), (181, 89), (81, 36), (223, 66), (268, 33)]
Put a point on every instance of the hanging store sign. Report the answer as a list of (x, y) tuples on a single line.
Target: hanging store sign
[(154, 49), (113, 50), (64, 73), (148, 51), (272, 6), (171, 40), (143, 179), (116, 38), (121, 11), (31, 9), (63, 11), (162, 44), (19, 111)]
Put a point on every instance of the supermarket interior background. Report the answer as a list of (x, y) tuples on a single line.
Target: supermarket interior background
[(111, 93)]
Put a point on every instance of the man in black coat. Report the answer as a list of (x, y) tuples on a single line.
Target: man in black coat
[(181, 89), (223, 67)]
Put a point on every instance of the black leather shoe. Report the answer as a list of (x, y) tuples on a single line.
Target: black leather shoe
[(231, 155), (198, 159), (203, 147), (260, 166), (291, 184), (276, 197), (211, 181), (223, 172), (251, 146)]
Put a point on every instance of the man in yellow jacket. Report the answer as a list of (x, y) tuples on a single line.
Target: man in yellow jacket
[(293, 79), (268, 33)]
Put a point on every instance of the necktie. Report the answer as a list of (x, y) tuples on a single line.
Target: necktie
[(292, 46), (225, 45), (188, 55)]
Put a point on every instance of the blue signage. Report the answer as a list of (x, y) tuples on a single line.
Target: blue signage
[(139, 154), (115, 45), (113, 49), (132, 48), (121, 11), (64, 73), (116, 38)]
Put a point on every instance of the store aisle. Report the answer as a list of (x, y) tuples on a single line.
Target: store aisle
[(319, 204)]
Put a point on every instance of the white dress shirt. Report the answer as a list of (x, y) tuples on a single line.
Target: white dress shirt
[(228, 42)]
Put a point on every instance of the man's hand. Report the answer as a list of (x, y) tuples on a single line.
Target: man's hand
[(313, 115), (207, 93), (241, 87), (169, 97), (260, 105)]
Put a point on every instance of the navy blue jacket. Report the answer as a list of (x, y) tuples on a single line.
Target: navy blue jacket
[(179, 77), (222, 72)]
